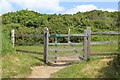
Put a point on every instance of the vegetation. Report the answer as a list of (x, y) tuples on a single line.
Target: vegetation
[(19, 65), (6, 43), (102, 67), (118, 57), (25, 21), (13, 63)]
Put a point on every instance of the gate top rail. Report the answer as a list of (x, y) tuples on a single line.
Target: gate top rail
[(105, 33), (66, 43), (66, 35), (39, 35)]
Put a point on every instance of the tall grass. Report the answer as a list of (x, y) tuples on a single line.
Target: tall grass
[(6, 43), (16, 64)]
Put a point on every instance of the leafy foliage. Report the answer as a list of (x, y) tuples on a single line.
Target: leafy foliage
[(30, 22), (25, 21)]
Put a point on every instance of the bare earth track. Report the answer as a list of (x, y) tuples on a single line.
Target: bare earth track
[(46, 71)]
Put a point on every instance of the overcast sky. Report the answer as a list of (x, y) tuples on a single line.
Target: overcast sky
[(58, 6)]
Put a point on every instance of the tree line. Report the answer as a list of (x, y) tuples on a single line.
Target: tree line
[(31, 22)]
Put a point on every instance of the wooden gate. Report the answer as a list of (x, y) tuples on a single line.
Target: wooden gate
[(86, 45), (46, 35)]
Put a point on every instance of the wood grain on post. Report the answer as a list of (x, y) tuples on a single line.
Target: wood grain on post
[(88, 41), (105, 33), (56, 49), (67, 43), (46, 41), (69, 36), (13, 37), (85, 45)]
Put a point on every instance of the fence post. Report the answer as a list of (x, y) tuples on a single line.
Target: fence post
[(68, 35), (46, 41), (13, 37), (85, 45), (55, 49), (88, 42)]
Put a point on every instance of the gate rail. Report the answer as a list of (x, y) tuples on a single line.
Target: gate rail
[(87, 42)]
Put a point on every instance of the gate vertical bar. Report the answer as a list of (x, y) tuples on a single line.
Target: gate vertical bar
[(68, 35), (13, 37), (88, 42), (46, 41), (85, 45), (56, 49)]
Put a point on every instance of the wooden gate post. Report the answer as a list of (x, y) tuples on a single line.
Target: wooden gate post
[(85, 45), (88, 41), (55, 49), (13, 37), (46, 41), (68, 35)]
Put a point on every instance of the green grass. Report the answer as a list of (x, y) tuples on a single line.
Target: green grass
[(95, 68), (104, 48), (94, 49), (6, 42), (30, 48), (19, 64)]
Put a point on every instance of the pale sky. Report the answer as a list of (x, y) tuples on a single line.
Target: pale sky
[(58, 6)]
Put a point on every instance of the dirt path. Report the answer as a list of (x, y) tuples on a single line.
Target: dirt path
[(46, 71)]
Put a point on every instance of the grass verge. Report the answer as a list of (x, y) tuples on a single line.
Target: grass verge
[(101, 67), (19, 65)]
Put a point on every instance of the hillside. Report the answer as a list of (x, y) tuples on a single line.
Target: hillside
[(97, 20), (25, 21)]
